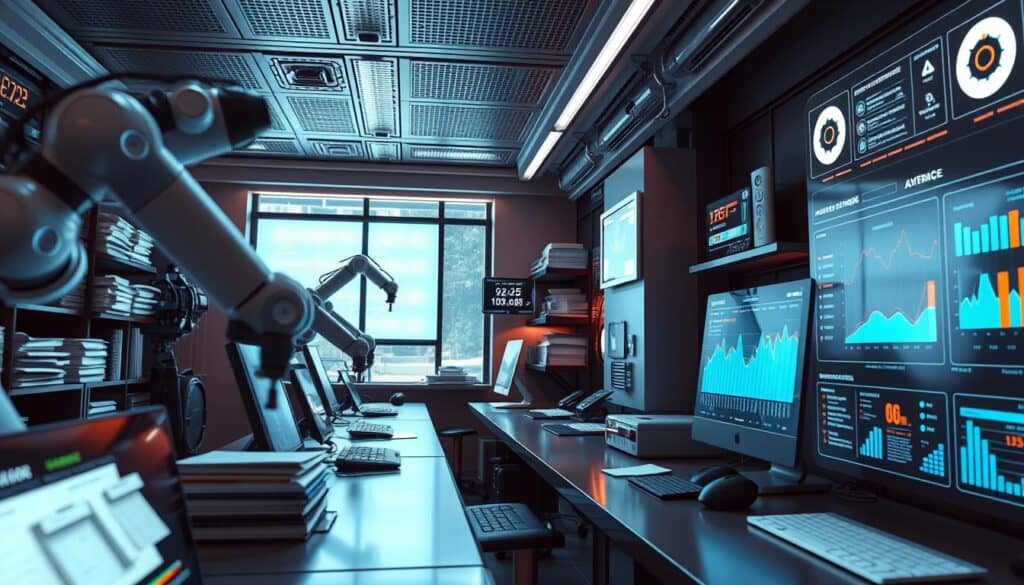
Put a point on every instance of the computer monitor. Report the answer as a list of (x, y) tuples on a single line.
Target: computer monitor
[(506, 377), (273, 429), (333, 406), (316, 422), (95, 501), (752, 374)]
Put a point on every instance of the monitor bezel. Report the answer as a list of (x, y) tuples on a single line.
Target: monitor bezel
[(631, 199), (333, 405), (776, 448), (306, 395), (506, 390), (353, 394), (254, 405)]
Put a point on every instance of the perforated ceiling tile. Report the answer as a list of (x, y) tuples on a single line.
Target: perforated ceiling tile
[(238, 67), (468, 82), (188, 17), (546, 25), (278, 123), (384, 150), (272, 146), (368, 21), (294, 73), (322, 114), (285, 20), (473, 123), (460, 154), (337, 148)]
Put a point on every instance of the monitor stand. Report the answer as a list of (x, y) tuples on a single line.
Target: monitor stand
[(525, 403), (786, 480)]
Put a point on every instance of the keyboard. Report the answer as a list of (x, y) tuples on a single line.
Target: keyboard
[(367, 459), (364, 430), (870, 553), (501, 518), (666, 487), (378, 411), (549, 413), (574, 429)]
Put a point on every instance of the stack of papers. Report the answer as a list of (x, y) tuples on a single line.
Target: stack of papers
[(112, 294), (145, 300), (559, 349), (248, 495), (560, 255), (120, 240), (565, 302), (74, 299), (56, 360), (451, 375), (97, 407)]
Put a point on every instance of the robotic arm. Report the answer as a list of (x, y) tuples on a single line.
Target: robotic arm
[(332, 282), (99, 142)]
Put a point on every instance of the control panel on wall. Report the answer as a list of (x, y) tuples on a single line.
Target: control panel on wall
[(620, 345)]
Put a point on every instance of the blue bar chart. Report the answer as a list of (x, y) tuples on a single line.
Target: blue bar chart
[(1000, 232), (990, 438), (935, 462), (872, 446)]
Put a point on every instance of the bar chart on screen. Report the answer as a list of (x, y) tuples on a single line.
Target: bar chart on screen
[(990, 446)]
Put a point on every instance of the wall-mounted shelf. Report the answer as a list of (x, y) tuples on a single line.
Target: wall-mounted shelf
[(560, 274), (106, 263), (127, 318), (49, 309), (550, 368), (559, 321), (773, 255), (32, 390)]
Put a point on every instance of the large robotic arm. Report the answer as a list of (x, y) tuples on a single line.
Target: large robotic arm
[(100, 143), (334, 281)]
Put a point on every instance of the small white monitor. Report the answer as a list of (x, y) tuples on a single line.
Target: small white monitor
[(507, 371)]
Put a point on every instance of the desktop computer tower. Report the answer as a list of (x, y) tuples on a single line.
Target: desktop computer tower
[(660, 310)]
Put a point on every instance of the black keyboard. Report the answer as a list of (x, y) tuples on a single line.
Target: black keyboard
[(365, 430), (666, 487), (501, 518), (367, 459)]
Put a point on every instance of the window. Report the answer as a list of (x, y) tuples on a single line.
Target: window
[(437, 251)]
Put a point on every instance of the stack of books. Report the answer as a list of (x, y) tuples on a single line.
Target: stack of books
[(112, 295), (559, 349), (74, 299), (115, 349), (451, 375), (565, 302), (248, 495), (135, 354), (560, 255), (144, 300), (98, 407), (40, 361), (138, 399), (120, 240)]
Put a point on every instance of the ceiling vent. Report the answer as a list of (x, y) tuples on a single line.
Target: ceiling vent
[(384, 151), (704, 45), (468, 82), (309, 74), (143, 17), (323, 115), (337, 148), (368, 21), (537, 25), (468, 122), (492, 156), (271, 146), (281, 20), (238, 67), (376, 84)]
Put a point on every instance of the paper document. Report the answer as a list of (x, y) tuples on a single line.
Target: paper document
[(648, 469)]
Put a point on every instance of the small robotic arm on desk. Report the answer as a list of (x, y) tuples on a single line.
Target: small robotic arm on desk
[(104, 144)]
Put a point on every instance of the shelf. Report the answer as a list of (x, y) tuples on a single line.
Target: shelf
[(137, 381), (106, 263), (559, 321), (549, 368), (763, 257), (33, 390), (128, 319), (105, 384), (560, 274), (48, 309)]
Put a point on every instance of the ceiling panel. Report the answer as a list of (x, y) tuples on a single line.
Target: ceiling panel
[(432, 81)]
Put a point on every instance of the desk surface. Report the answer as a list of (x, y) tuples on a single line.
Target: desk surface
[(408, 411), (426, 443), (403, 527), (673, 538)]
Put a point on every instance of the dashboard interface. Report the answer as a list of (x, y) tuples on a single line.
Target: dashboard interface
[(916, 217)]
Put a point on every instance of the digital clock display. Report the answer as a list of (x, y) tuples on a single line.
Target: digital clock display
[(728, 224), (508, 296), (18, 93)]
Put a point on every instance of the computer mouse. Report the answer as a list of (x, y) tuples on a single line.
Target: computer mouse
[(732, 492), (398, 399), (710, 474), (1017, 566)]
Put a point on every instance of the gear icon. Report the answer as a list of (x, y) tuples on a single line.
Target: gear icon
[(829, 135), (985, 57)]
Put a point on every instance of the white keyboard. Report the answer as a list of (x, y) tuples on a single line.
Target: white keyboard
[(587, 427), (867, 552), (552, 412)]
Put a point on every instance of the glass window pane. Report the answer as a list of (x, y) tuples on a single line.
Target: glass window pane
[(465, 210), (462, 328), (409, 252), (402, 363), (403, 208), (304, 250), (310, 204)]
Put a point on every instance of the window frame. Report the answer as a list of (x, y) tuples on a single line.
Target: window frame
[(366, 219)]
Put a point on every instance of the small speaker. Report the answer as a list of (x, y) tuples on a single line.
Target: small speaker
[(762, 184)]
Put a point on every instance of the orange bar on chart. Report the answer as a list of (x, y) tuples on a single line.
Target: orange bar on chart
[(1014, 217), (1003, 288), (930, 287)]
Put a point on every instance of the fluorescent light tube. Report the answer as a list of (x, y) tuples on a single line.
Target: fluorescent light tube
[(542, 154), (609, 52)]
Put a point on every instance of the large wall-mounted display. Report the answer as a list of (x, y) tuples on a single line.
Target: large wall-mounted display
[(916, 219)]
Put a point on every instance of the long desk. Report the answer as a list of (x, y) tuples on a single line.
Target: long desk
[(680, 541), (407, 527)]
